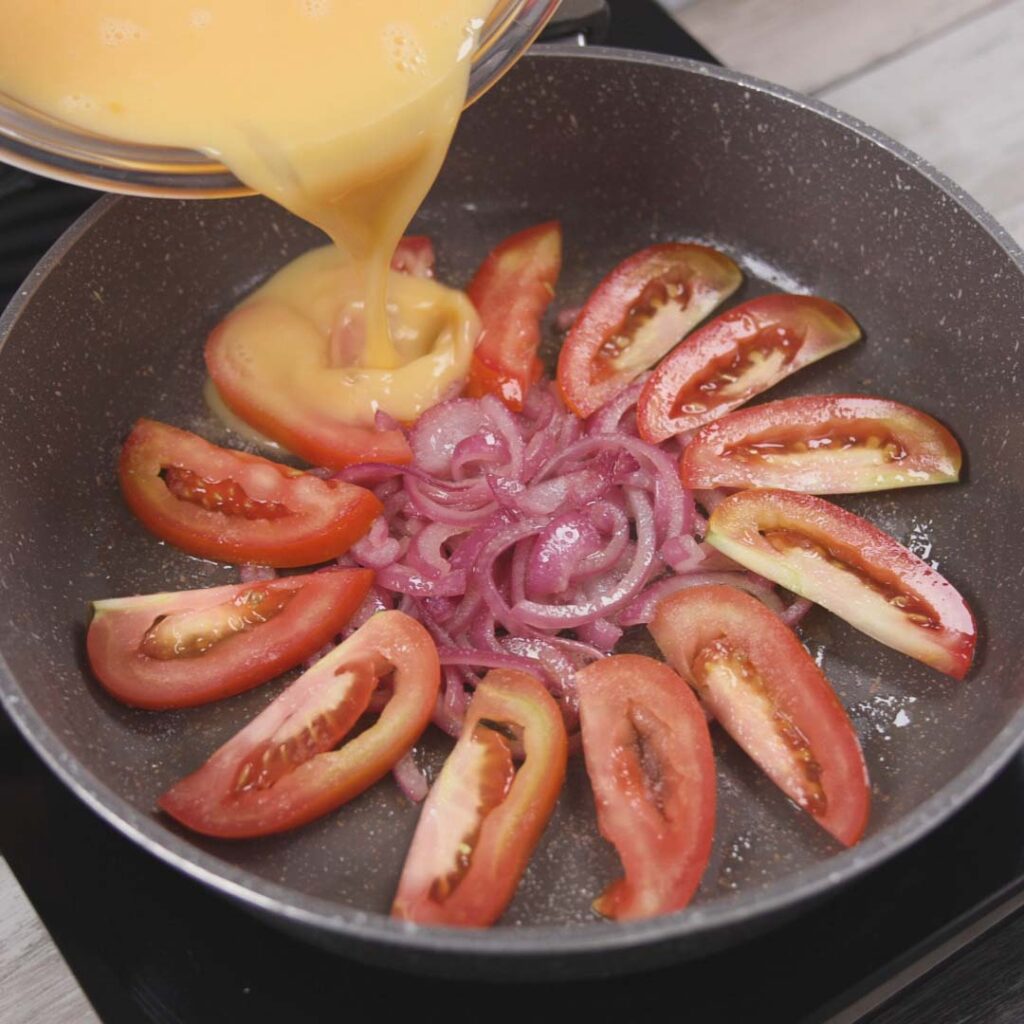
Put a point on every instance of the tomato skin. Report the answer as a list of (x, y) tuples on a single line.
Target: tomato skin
[(926, 452), (319, 440), (212, 802), (791, 722), (588, 376), (795, 329), (319, 605), (511, 291), (664, 851), (314, 520), (508, 834), (738, 528)]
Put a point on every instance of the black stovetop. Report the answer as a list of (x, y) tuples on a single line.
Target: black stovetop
[(149, 945)]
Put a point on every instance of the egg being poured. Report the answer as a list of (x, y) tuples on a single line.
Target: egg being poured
[(341, 111)]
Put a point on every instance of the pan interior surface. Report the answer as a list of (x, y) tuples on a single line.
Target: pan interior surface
[(625, 150)]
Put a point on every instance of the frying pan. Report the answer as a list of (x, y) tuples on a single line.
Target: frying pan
[(626, 149)]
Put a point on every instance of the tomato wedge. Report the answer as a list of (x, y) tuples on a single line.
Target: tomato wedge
[(319, 439), (850, 567), (282, 770), (286, 414), (828, 444), (484, 815), (511, 291), (636, 314), (649, 758), (739, 354), (235, 507), (177, 650), (753, 674)]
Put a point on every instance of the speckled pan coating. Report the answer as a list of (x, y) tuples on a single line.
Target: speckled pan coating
[(626, 149)]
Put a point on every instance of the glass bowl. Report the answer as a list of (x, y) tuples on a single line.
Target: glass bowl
[(45, 145)]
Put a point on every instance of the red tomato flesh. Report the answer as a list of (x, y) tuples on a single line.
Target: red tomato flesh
[(827, 444), (484, 815), (234, 507), (511, 291), (649, 758), (635, 315), (178, 650), (282, 770), (753, 674), (850, 567), (739, 354), (320, 440)]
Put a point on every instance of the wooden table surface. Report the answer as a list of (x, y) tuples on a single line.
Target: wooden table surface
[(944, 77)]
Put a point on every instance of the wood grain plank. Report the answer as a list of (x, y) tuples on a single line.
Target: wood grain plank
[(808, 44), (959, 102), (35, 982)]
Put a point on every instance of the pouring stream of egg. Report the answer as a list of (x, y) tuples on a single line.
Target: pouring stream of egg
[(341, 111)]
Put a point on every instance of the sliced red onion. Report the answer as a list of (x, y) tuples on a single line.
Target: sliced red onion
[(501, 511), (384, 422), (439, 431), (641, 611), (485, 449), (550, 497), (492, 550), (673, 506), (377, 548), (608, 418), (425, 552), (558, 552), (407, 581), (565, 318), (601, 633), (488, 659), (793, 615), (481, 633), (568, 616), (410, 778), (504, 422), (256, 573), (612, 521), (452, 701), (377, 600), (465, 510)]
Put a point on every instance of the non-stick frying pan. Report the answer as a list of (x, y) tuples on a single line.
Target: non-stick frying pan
[(625, 149)]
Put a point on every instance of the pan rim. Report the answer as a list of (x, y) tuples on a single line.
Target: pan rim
[(528, 941)]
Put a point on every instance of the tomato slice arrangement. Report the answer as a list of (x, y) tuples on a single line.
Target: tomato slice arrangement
[(235, 507), (753, 674), (828, 444), (636, 314), (499, 526), (649, 758), (282, 770), (850, 567), (177, 650), (737, 355), (511, 291), (484, 815)]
